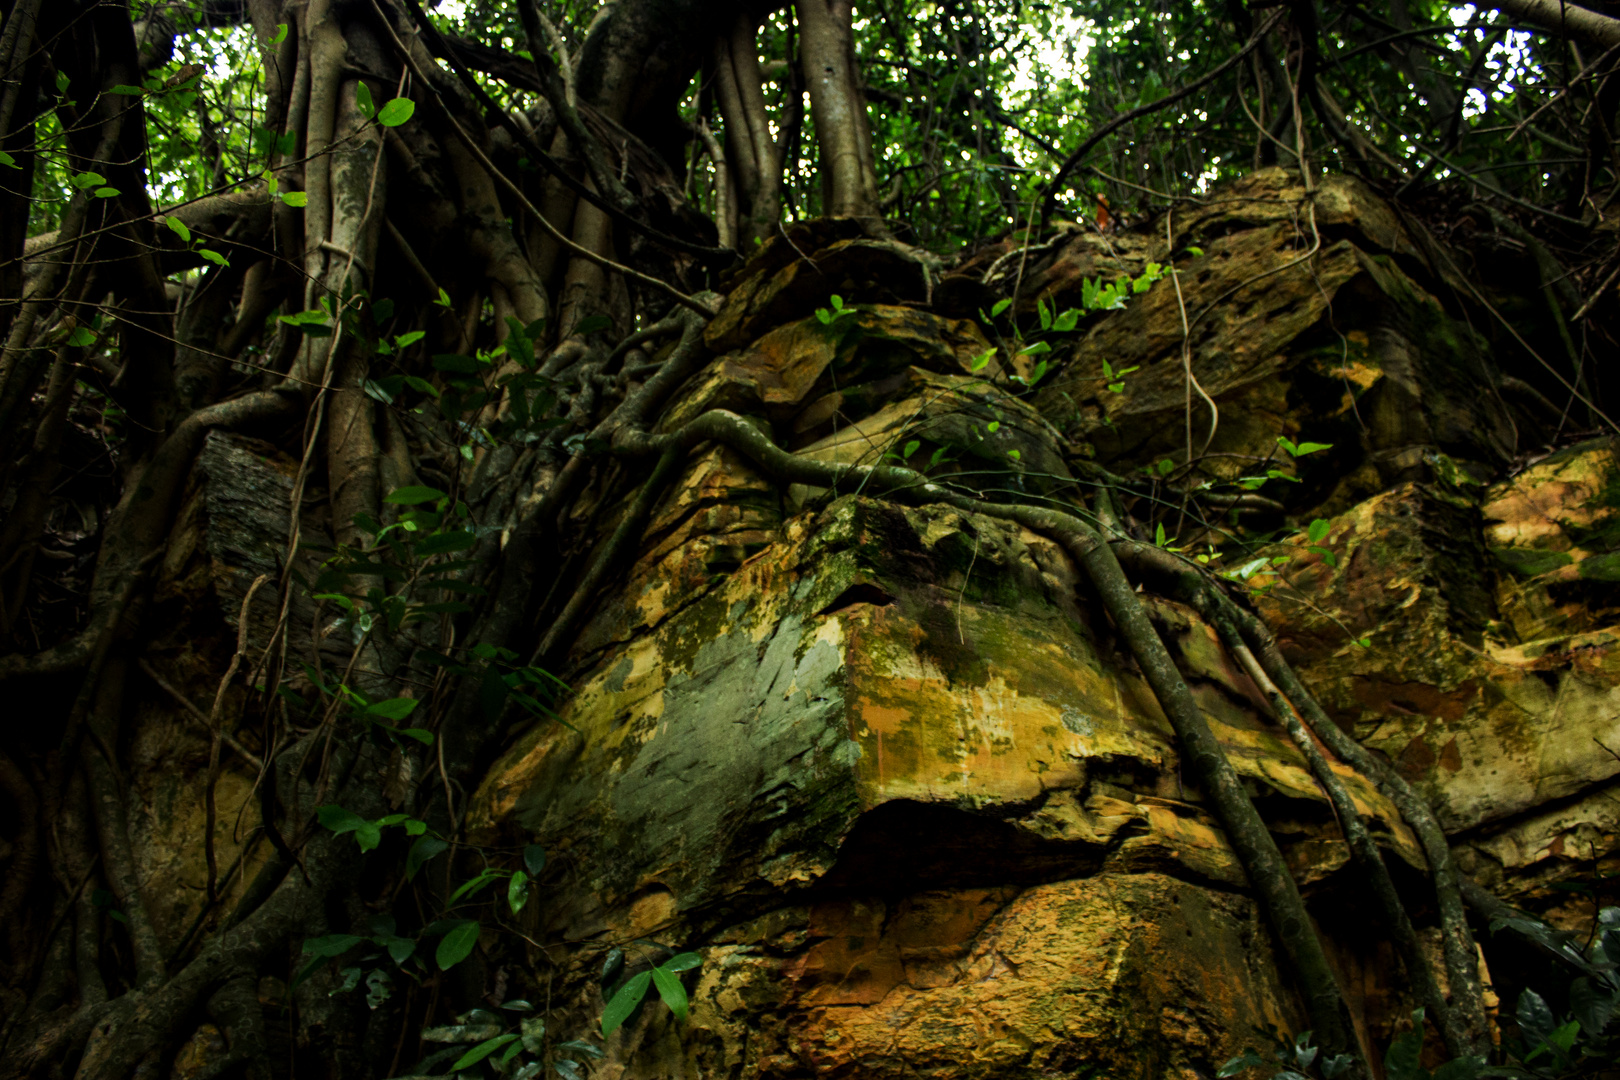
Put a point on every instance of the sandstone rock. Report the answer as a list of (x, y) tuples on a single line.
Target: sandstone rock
[(789, 279), (848, 366), (1317, 332), (908, 711), (1511, 738)]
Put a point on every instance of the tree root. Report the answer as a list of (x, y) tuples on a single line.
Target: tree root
[(1456, 1018)]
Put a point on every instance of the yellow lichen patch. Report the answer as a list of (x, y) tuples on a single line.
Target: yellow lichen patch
[(630, 690), (997, 736), (1536, 507), (167, 775), (1488, 729)]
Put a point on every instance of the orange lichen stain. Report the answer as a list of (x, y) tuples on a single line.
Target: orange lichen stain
[(972, 983), (884, 719), (1414, 698)]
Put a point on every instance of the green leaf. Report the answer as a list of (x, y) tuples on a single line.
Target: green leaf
[(534, 859), (580, 1046), (475, 885), (1403, 1059), (81, 337), (88, 180), (517, 891), (980, 361), (439, 543), (424, 849), (106, 193), (1463, 1068), (1166, 467), (624, 1003), (1318, 530), (1337, 1065), (1564, 1037), (400, 949), (685, 961), (405, 341), (126, 90), (457, 945), (414, 495), (444, 299), (837, 302), (339, 820), (909, 449), (8, 161), (421, 735), (214, 257), (295, 198), (393, 709), (396, 112), (671, 990), (1158, 535), (482, 1050), (1067, 321), (1247, 1060), (362, 100), (999, 306), (281, 34), (1311, 447), (332, 945)]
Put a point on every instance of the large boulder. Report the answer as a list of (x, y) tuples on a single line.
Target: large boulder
[(1491, 673), (1317, 318)]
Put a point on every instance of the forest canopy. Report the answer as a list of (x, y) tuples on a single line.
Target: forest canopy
[(450, 265)]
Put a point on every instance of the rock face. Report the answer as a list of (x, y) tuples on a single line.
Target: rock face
[(1491, 676), (887, 769), (926, 814), (1319, 321)]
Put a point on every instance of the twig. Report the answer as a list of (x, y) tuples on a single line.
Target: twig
[(186, 703), (214, 728)]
